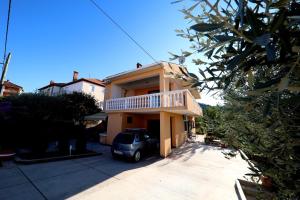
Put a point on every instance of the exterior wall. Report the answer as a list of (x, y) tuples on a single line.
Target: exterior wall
[(165, 134), (98, 92), (107, 92), (117, 122), (55, 90), (81, 86), (144, 90), (114, 126), (172, 134), (52, 90), (76, 87), (113, 91), (137, 121), (8, 91), (179, 134), (116, 91), (129, 93), (168, 139)]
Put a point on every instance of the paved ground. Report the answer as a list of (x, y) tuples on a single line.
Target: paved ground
[(194, 171)]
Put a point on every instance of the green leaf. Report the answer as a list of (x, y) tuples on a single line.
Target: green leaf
[(252, 174), (210, 72), (280, 3), (178, 1), (239, 58), (198, 84), (183, 71), (179, 31), (193, 75), (278, 21), (253, 21), (186, 53), (174, 56), (209, 53), (202, 73), (198, 61), (205, 27), (224, 38), (193, 7), (263, 40), (219, 49)]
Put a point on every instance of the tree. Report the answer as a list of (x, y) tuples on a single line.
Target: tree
[(210, 120), (32, 120), (252, 51)]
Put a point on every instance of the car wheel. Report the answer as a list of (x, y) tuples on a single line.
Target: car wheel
[(137, 156)]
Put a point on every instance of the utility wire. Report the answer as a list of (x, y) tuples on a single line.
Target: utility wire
[(122, 29), (6, 32)]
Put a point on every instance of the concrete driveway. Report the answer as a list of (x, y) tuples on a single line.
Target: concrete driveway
[(194, 171)]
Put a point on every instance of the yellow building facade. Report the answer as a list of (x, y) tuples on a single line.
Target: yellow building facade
[(154, 97)]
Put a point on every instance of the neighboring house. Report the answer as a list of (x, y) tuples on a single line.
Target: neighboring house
[(92, 86), (152, 97), (11, 89)]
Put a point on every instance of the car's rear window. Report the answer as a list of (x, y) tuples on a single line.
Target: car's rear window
[(125, 138)]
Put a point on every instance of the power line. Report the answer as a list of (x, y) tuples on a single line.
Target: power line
[(122, 29), (7, 26)]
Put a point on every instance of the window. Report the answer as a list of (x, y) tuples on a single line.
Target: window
[(92, 88), (129, 120), (137, 138)]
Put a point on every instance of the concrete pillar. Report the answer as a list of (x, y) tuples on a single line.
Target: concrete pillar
[(114, 126), (165, 134)]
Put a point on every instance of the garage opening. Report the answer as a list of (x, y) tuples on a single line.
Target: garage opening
[(153, 127)]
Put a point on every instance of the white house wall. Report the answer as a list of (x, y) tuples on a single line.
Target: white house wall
[(55, 90), (76, 87), (98, 92)]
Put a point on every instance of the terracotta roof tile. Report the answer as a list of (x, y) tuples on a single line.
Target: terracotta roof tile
[(10, 84)]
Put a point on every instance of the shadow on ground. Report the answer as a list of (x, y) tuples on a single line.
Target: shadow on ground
[(63, 179), (189, 149)]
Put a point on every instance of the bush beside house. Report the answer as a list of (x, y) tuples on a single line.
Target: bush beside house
[(33, 121)]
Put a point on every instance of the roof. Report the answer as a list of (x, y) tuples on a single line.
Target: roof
[(97, 116), (96, 81), (143, 68), (89, 80), (12, 85), (52, 84)]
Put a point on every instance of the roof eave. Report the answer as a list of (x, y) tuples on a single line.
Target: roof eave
[(138, 70)]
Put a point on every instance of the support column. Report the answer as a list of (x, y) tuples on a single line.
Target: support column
[(165, 134), (114, 126)]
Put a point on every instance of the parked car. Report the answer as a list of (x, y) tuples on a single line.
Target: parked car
[(134, 143)]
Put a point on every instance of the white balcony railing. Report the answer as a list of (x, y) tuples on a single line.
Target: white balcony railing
[(176, 98)]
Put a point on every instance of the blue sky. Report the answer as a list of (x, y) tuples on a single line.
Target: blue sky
[(51, 38)]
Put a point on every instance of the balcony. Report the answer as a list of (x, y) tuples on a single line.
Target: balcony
[(177, 101)]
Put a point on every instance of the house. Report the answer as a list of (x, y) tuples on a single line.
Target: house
[(91, 86), (11, 89), (152, 97)]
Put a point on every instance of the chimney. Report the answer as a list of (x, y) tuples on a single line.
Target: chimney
[(75, 75), (138, 65), (51, 82)]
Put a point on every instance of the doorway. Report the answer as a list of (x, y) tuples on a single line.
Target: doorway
[(153, 127)]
